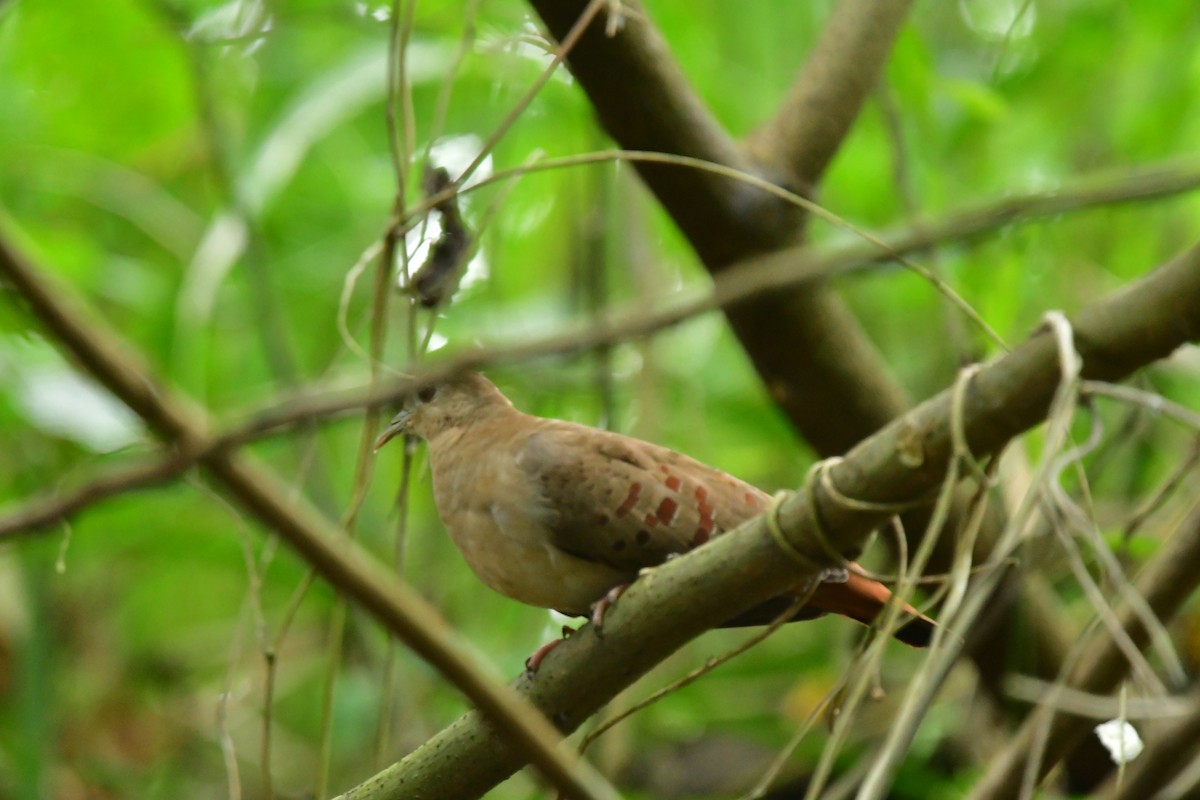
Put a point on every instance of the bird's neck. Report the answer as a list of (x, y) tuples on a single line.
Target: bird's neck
[(486, 424), (465, 456)]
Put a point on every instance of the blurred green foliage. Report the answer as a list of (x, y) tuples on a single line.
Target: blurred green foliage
[(207, 174)]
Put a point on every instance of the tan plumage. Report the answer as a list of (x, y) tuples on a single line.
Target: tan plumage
[(555, 514)]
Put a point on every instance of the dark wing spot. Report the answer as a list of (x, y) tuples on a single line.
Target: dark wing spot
[(643, 538), (618, 544)]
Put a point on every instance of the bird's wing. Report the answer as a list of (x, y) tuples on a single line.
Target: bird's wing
[(627, 503)]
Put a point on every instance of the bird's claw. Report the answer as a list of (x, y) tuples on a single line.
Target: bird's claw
[(601, 606), (535, 660)]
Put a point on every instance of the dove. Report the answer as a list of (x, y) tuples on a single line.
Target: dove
[(563, 516)]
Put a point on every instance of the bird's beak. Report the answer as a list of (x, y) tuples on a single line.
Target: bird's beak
[(397, 426)]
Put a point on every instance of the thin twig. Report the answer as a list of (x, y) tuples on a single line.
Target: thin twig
[(1097, 706), (1150, 400), (1153, 503), (560, 55)]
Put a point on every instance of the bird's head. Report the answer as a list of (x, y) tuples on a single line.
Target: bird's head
[(455, 403)]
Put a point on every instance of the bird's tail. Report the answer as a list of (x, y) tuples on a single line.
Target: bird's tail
[(862, 599)]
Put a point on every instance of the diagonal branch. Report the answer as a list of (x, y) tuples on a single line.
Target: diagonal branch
[(697, 591), (345, 564)]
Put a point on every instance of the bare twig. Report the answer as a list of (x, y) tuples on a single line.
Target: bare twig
[(578, 29), (1148, 400), (1097, 706), (1153, 503), (42, 513)]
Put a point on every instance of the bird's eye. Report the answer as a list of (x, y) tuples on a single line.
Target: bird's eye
[(427, 394)]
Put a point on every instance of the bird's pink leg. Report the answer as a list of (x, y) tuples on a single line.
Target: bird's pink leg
[(598, 610), (601, 606), (534, 661)]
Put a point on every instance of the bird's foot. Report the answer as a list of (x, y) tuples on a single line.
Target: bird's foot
[(601, 606), (534, 661)]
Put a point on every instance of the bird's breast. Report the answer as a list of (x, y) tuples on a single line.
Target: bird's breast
[(501, 537)]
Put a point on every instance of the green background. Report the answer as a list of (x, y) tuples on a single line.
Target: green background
[(207, 175)]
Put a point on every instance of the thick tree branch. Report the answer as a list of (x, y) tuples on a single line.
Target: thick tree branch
[(699, 590), (345, 564)]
